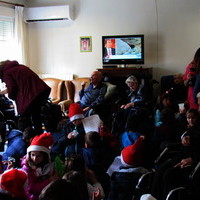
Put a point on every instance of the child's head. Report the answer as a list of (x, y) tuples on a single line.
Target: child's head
[(167, 98), (14, 181), (79, 182), (192, 117), (28, 134), (38, 158), (133, 123), (58, 189), (75, 114), (92, 139), (23, 123), (75, 162), (38, 153), (61, 124), (133, 155)]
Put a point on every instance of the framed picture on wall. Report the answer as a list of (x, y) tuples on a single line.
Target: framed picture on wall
[(86, 44)]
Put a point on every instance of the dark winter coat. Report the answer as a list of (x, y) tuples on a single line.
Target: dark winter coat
[(122, 186), (23, 85)]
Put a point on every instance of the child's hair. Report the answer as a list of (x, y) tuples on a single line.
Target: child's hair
[(61, 124), (23, 123), (75, 162), (93, 139), (134, 123), (79, 182), (195, 113), (58, 189), (28, 133)]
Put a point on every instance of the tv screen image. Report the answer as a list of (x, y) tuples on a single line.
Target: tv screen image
[(124, 49)]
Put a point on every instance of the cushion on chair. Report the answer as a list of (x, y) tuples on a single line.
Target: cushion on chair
[(111, 90), (76, 87), (56, 87)]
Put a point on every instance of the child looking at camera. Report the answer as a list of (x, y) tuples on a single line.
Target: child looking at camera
[(37, 164)]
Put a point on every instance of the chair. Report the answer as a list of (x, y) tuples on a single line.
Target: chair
[(56, 89), (73, 87), (189, 191)]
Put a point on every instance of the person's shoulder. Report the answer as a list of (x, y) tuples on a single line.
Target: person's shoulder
[(187, 68), (14, 133)]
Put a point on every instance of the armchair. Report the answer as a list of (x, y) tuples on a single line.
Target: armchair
[(56, 88), (73, 87)]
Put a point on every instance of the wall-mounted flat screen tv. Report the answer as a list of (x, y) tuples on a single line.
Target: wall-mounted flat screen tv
[(123, 49)]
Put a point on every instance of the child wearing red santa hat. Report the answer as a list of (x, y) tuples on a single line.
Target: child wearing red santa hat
[(14, 182), (37, 163), (74, 131), (126, 170)]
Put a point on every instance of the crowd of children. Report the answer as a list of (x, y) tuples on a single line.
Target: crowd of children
[(85, 160)]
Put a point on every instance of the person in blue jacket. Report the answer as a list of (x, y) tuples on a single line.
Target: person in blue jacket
[(18, 142)]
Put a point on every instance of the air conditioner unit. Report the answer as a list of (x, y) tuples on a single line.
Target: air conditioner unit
[(48, 13)]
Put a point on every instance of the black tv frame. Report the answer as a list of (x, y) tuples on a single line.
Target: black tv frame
[(122, 61)]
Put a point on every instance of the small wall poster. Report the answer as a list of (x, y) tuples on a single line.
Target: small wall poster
[(86, 44)]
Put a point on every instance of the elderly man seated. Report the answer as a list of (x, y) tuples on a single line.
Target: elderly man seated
[(93, 95)]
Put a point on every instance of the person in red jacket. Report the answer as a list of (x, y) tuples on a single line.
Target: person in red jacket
[(26, 88)]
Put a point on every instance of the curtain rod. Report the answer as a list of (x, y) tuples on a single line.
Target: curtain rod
[(14, 4)]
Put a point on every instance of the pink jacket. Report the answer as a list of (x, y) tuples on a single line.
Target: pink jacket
[(37, 179)]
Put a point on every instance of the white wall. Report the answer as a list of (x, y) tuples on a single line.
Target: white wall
[(171, 29)]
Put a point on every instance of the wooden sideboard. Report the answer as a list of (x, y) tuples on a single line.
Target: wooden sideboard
[(118, 76), (125, 72)]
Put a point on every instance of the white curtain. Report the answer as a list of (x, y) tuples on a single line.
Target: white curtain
[(20, 36)]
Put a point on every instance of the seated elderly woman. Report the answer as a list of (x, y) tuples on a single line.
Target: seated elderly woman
[(136, 93), (134, 100)]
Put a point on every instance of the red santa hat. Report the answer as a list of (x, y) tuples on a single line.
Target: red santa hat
[(41, 142), (132, 155), (75, 112), (14, 181)]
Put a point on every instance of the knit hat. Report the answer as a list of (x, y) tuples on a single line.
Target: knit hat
[(132, 155), (75, 112), (41, 143), (14, 182)]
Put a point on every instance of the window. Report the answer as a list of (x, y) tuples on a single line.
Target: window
[(7, 44), (6, 30)]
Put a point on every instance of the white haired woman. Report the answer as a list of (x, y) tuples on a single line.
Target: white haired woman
[(134, 100)]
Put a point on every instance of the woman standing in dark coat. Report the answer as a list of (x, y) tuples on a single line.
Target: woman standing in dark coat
[(26, 89)]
